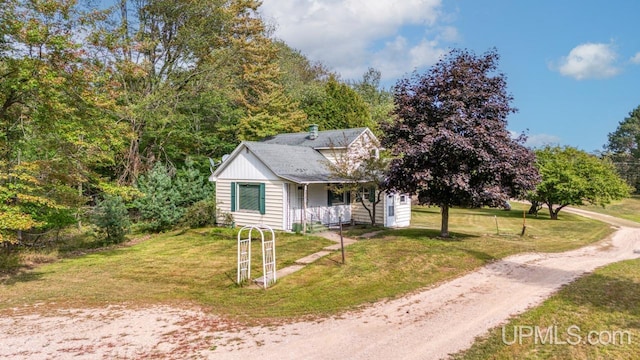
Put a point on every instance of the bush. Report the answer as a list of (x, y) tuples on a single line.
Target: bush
[(200, 214), (112, 219)]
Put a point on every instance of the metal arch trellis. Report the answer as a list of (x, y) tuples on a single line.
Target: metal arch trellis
[(268, 255)]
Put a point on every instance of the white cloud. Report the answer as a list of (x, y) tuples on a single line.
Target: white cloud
[(449, 33), (636, 58), (539, 140), (352, 35), (589, 61), (399, 57)]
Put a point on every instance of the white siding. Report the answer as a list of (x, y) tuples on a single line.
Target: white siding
[(333, 154), (403, 212), (247, 166), (360, 215), (274, 195)]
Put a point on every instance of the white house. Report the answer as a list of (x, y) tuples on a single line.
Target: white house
[(284, 182)]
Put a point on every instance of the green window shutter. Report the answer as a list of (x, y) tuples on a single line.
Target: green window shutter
[(348, 197), (262, 199), (372, 194), (329, 198), (233, 196)]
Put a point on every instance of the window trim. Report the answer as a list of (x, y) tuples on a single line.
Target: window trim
[(236, 194)]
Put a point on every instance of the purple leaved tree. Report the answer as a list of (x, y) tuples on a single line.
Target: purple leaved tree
[(449, 140)]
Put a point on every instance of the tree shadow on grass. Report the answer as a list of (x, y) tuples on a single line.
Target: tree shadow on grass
[(607, 294), (416, 233), (480, 255), (22, 277), (434, 235)]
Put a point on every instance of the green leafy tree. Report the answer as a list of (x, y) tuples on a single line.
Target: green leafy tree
[(380, 101), (449, 142), (624, 148), (299, 75), (573, 177), (112, 218), (338, 107), (55, 129), (29, 201)]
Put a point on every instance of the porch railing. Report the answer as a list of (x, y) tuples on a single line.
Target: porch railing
[(326, 215)]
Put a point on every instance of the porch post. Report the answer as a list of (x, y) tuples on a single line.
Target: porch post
[(304, 210)]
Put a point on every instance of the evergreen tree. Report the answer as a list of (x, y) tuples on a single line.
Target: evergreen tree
[(112, 218), (159, 204), (269, 110), (191, 185)]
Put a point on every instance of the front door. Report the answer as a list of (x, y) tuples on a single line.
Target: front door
[(391, 211)]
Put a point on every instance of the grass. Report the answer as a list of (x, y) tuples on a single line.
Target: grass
[(200, 266), (604, 305), (628, 208)]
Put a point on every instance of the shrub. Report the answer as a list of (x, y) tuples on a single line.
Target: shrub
[(200, 214)]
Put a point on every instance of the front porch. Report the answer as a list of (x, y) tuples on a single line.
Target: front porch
[(309, 204)]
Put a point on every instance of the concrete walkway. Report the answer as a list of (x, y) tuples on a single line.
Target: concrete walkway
[(301, 263)]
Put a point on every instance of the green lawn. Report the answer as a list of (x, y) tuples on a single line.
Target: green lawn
[(596, 317), (628, 208), (199, 267)]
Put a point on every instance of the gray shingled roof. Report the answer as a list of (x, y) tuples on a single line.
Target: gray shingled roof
[(325, 140), (299, 164)]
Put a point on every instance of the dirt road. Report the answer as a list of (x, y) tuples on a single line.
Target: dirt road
[(427, 325)]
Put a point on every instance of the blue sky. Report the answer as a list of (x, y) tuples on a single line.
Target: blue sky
[(573, 66)]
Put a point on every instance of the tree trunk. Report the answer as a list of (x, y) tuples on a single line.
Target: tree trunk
[(552, 214), (535, 207), (373, 214), (444, 228)]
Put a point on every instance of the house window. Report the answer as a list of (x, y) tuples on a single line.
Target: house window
[(403, 199), (364, 193), (338, 198), (367, 193), (248, 197)]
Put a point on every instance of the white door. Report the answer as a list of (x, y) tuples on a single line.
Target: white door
[(391, 211)]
